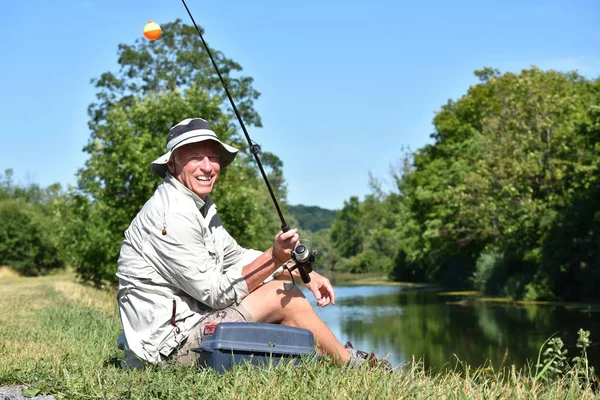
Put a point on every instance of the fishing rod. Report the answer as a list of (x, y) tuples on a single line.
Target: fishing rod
[(302, 257)]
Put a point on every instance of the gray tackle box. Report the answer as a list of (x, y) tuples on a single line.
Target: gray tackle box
[(257, 343)]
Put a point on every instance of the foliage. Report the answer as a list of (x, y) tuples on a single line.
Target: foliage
[(505, 198), (175, 62), (312, 218), (509, 157), (556, 363), (486, 265), (26, 238), (159, 84), (29, 223), (346, 232)]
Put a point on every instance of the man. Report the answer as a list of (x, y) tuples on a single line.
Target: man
[(180, 270)]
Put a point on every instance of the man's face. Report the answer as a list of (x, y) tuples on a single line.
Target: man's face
[(197, 166)]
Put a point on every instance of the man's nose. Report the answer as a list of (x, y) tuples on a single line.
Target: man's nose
[(205, 164)]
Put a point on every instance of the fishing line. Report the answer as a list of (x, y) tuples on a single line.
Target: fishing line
[(303, 256), (254, 147)]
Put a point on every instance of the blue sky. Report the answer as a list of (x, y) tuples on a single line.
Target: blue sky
[(345, 84)]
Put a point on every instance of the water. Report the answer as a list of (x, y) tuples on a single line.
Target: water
[(440, 329)]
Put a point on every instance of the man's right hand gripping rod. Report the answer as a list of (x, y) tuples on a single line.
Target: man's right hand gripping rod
[(303, 259)]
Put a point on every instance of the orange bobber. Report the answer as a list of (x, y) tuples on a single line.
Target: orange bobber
[(152, 30)]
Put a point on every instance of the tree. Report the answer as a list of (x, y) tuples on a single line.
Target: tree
[(31, 226), (508, 158), (175, 62), (346, 232), (570, 241), (159, 84), (312, 218)]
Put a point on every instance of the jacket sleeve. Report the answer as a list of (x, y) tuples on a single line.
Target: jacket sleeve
[(190, 264)]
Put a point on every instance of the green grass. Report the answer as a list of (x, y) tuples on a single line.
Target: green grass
[(58, 337)]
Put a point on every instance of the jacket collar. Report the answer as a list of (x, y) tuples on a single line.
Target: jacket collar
[(180, 187)]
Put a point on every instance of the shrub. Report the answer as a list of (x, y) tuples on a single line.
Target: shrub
[(487, 263), (26, 242)]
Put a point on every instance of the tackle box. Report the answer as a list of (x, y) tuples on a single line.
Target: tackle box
[(257, 343)]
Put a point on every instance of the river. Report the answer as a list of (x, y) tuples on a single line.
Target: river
[(402, 323)]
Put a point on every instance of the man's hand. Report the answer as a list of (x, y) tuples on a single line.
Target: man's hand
[(322, 289), (285, 243)]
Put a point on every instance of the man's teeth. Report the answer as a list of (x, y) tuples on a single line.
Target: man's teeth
[(203, 178)]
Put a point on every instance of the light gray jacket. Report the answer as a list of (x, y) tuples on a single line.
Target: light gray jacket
[(177, 264)]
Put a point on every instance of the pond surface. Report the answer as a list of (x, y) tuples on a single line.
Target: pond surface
[(424, 323)]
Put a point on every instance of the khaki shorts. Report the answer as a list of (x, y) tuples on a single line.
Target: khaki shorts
[(184, 354)]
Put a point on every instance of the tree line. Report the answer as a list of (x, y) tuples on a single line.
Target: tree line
[(504, 200)]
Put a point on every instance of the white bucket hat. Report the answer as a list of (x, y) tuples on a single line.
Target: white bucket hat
[(188, 131)]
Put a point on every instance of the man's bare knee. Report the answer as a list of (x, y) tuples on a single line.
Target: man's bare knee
[(275, 301)]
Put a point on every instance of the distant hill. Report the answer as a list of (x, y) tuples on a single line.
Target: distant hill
[(312, 218)]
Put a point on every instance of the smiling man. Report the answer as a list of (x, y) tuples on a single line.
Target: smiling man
[(179, 270)]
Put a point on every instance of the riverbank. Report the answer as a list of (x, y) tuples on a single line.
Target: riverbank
[(58, 337), (463, 297), (368, 279), (467, 297)]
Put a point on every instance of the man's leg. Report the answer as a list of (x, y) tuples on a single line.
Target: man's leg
[(272, 303)]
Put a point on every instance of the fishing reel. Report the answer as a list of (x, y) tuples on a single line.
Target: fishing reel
[(303, 258)]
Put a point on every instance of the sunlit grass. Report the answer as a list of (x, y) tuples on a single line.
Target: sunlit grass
[(58, 337), (7, 274)]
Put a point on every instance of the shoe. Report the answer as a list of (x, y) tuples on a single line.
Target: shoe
[(358, 358)]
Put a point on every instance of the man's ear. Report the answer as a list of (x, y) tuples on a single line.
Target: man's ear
[(171, 166)]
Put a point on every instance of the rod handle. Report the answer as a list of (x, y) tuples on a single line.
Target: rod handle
[(304, 274)]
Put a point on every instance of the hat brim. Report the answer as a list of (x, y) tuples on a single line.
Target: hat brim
[(226, 154)]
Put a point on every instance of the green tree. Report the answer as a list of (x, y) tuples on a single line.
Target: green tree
[(346, 233), (31, 225), (159, 84), (312, 218), (508, 158), (570, 241)]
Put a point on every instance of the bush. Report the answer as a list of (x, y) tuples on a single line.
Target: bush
[(92, 246), (26, 242), (487, 263)]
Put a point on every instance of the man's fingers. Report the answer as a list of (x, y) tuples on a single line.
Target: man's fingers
[(327, 293), (295, 240), (287, 235), (329, 288), (315, 292), (325, 300)]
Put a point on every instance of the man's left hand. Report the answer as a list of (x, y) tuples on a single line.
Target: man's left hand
[(322, 289)]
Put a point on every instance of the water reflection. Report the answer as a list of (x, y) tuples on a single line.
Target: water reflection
[(401, 322)]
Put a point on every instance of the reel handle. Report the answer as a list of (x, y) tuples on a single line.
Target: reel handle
[(303, 259)]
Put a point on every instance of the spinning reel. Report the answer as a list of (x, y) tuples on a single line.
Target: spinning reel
[(303, 259)]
